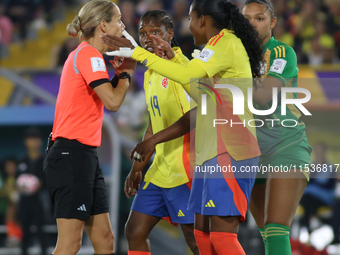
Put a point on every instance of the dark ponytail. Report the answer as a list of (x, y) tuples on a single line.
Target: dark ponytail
[(164, 18), (227, 15)]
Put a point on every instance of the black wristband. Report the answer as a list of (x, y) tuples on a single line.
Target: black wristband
[(114, 81), (125, 75)]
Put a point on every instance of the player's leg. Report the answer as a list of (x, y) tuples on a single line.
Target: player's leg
[(137, 230), (99, 230), (176, 200), (283, 193), (147, 209), (70, 233), (202, 223), (202, 235), (223, 235), (283, 196), (188, 232), (257, 206), (227, 196)]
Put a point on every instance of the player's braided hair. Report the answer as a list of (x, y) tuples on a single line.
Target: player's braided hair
[(226, 15), (163, 17)]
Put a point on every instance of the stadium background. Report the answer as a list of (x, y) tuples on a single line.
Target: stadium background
[(34, 45)]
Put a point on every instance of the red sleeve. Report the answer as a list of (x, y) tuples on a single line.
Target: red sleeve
[(90, 63)]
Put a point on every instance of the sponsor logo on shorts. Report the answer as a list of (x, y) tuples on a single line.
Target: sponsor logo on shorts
[(210, 204), (82, 208), (180, 214)]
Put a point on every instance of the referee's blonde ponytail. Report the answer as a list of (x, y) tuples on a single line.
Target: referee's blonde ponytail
[(89, 18), (74, 27)]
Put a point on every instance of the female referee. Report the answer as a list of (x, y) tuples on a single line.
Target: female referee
[(74, 179), (274, 199), (165, 190), (232, 50)]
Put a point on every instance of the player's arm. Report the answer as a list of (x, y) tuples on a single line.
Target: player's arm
[(181, 127), (134, 178), (263, 94), (179, 57), (180, 73), (112, 97), (282, 69)]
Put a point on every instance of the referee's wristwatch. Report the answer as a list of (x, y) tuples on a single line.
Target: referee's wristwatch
[(125, 75)]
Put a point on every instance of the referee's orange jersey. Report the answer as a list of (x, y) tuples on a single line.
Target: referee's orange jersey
[(79, 111)]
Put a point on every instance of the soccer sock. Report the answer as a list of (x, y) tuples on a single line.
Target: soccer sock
[(263, 234), (226, 243), (139, 253), (203, 243), (277, 240)]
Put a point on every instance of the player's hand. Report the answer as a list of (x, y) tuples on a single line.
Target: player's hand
[(132, 183), (124, 65), (163, 49), (142, 149), (122, 47), (117, 62)]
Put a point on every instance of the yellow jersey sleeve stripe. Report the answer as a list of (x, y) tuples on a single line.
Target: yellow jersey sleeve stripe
[(280, 53), (283, 51), (276, 53)]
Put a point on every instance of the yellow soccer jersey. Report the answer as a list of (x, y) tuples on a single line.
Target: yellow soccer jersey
[(224, 56), (167, 102)]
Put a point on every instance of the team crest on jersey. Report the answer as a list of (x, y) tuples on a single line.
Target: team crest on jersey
[(165, 82)]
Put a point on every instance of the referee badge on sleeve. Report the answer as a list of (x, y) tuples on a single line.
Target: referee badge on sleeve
[(98, 64)]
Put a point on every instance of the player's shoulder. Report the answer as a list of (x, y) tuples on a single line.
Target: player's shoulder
[(221, 38), (216, 46), (281, 50)]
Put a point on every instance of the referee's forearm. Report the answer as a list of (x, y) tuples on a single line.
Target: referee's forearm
[(119, 93)]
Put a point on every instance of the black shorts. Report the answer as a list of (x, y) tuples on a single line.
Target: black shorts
[(75, 182)]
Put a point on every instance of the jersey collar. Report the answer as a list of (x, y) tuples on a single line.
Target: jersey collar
[(266, 45)]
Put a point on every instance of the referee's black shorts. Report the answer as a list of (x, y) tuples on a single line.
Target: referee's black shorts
[(75, 182)]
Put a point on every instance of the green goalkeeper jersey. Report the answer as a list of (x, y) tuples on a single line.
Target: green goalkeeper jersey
[(279, 62)]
